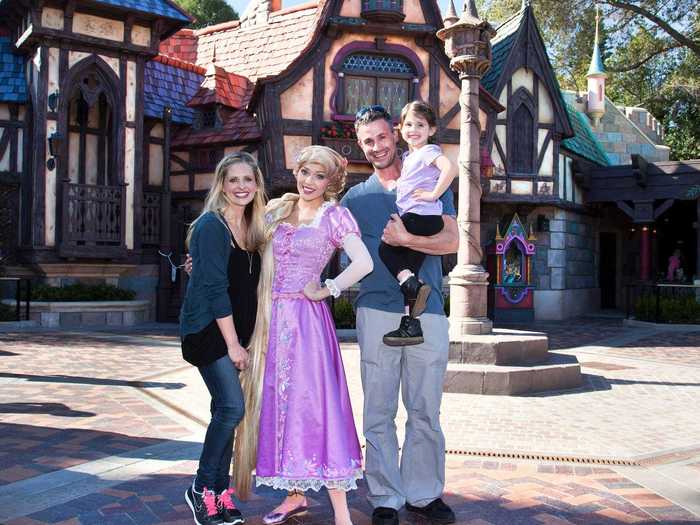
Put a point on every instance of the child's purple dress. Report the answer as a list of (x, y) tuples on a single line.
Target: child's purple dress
[(307, 437)]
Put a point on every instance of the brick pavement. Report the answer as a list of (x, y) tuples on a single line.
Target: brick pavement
[(68, 400)]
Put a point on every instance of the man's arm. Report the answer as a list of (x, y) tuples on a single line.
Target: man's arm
[(442, 243)]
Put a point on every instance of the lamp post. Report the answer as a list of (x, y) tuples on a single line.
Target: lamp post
[(467, 43)]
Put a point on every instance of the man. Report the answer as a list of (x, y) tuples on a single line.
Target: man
[(418, 479)]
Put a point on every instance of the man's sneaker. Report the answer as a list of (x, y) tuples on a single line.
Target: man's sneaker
[(417, 293), (203, 507), (227, 508), (408, 333), (435, 511)]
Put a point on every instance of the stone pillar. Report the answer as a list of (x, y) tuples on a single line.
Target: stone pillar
[(645, 254), (467, 44)]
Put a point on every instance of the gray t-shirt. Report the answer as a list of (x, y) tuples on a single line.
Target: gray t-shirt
[(372, 205)]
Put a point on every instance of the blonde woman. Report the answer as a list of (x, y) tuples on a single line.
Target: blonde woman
[(218, 317), (307, 437)]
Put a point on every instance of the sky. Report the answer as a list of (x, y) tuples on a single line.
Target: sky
[(239, 5)]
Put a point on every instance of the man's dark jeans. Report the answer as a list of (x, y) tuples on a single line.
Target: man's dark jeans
[(227, 408)]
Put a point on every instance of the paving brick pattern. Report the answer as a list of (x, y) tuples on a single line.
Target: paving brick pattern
[(480, 492), (66, 399)]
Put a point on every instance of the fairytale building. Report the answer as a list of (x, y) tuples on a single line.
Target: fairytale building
[(113, 116)]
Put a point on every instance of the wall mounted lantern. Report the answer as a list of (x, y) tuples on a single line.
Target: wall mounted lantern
[(53, 100)]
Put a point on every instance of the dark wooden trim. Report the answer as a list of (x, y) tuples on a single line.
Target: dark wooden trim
[(663, 208), (5, 142), (27, 174), (451, 113), (556, 139), (521, 97), (121, 135), (155, 140), (39, 92), (14, 115), (540, 157), (276, 137), (360, 25), (299, 127), (11, 124), (40, 35), (504, 159), (319, 91), (434, 88), (177, 160), (450, 136)]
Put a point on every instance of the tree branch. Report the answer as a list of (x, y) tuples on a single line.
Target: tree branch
[(646, 59), (676, 35)]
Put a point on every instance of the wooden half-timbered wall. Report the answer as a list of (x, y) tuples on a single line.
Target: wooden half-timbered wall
[(14, 188), (85, 70), (293, 110), (526, 136)]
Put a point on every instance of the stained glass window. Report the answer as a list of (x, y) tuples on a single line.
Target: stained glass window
[(376, 79)]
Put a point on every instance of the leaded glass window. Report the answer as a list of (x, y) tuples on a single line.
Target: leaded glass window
[(370, 78)]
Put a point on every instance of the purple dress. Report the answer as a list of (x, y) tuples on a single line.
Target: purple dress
[(307, 437)]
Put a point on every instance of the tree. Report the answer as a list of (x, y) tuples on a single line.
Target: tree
[(650, 48), (208, 12)]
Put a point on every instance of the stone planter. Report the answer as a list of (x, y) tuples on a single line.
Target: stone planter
[(75, 314)]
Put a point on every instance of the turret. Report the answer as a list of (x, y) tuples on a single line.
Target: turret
[(596, 79)]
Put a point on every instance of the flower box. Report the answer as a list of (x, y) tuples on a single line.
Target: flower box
[(347, 147)]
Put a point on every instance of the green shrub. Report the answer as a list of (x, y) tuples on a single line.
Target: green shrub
[(679, 310), (446, 304), (81, 292), (343, 314), (7, 313)]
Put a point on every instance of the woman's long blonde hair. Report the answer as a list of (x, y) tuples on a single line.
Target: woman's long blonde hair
[(246, 442), (217, 201)]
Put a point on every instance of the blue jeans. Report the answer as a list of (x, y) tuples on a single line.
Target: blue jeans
[(227, 408)]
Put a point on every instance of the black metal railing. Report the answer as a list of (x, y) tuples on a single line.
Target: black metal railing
[(150, 220), (663, 303)]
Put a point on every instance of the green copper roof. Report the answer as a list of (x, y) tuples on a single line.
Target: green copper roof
[(501, 44), (596, 67), (584, 143)]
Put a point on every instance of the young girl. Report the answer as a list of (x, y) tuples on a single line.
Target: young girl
[(425, 175), (218, 317), (307, 437)]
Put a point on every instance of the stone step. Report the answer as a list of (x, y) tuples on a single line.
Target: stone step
[(559, 372), (501, 347)]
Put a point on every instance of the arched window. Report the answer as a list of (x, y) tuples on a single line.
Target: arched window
[(522, 133), (90, 133), (372, 73)]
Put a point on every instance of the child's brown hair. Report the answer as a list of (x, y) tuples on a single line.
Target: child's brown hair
[(421, 109)]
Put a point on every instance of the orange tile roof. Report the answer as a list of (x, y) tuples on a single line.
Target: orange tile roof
[(238, 126), (181, 64), (256, 52), (220, 87)]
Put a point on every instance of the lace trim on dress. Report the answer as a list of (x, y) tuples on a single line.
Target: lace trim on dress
[(317, 218), (282, 483)]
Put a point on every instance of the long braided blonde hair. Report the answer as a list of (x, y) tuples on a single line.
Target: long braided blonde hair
[(246, 439)]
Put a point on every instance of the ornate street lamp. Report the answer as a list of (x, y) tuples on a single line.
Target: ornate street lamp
[(467, 43)]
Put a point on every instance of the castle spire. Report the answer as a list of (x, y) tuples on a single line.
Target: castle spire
[(451, 16), (525, 4), (596, 76)]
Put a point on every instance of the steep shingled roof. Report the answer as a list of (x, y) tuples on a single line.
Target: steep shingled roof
[(501, 45), (170, 82), (584, 142), (255, 51), (220, 87), (162, 8), (13, 86)]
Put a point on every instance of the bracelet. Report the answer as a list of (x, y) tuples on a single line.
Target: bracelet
[(332, 288)]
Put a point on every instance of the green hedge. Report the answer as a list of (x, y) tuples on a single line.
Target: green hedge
[(343, 314), (678, 310), (81, 292)]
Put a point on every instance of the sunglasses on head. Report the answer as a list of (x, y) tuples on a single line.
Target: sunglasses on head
[(374, 109)]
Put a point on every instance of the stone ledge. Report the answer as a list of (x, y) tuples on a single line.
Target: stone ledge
[(559, 372), (72, 314), (501, 347)]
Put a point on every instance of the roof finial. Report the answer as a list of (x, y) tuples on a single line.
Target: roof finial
[(596, 67), (525, 4), (213, 53), (470, 9), (451, 16)]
